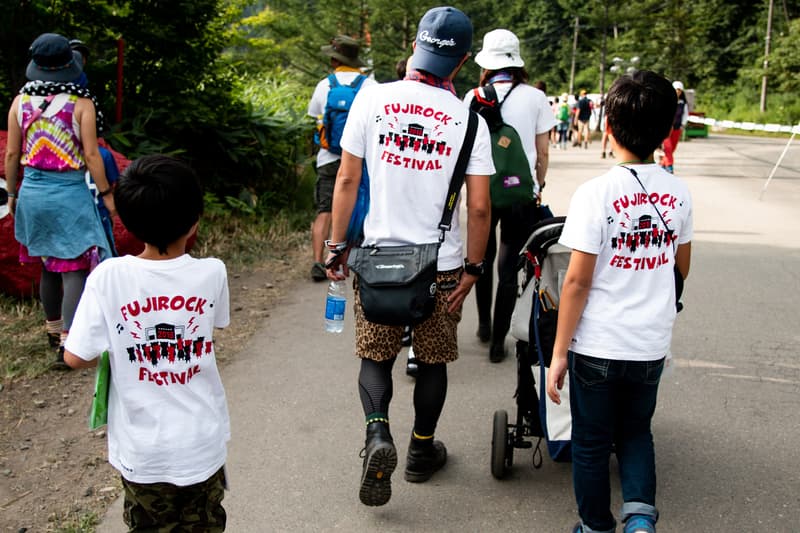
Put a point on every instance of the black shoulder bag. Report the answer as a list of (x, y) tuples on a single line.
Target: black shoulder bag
[(670, 233), (397, 284)]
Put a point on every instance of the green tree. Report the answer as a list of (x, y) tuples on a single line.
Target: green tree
[(784, 67)]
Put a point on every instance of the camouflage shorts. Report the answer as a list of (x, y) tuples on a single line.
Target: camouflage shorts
[(163, 507)]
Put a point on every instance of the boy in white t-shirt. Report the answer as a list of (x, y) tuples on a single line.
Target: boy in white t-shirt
[(155, 314), (630, 231)]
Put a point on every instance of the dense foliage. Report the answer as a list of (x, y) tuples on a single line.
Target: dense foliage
[(179, 93), (226, 82)]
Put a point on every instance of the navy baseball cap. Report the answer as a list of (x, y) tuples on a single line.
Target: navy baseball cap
[(444, 36)]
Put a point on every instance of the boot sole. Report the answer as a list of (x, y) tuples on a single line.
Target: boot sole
[(376, 486)]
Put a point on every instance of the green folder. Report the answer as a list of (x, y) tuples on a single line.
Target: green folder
[(102, 382)]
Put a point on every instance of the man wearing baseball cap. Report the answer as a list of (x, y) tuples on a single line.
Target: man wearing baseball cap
[(410, 133)]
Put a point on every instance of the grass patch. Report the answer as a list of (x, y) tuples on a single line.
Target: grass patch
[(240, 240), (84, 522), (24, 350)]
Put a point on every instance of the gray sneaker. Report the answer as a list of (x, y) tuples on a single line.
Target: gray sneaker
[(318, 272)]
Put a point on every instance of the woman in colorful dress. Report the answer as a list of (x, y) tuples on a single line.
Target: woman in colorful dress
[(52, 133)]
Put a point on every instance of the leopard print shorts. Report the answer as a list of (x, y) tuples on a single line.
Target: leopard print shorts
[(435, 339)]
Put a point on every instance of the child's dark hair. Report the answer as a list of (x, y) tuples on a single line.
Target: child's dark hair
[(640, 108), (158, 199)]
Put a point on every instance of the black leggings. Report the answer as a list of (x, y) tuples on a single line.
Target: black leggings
[(375, 389), (60, 293), (516, 224)]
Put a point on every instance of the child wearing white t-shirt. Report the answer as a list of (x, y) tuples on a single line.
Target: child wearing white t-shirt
[(630, 231), (155, 314)]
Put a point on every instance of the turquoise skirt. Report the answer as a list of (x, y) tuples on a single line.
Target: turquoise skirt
[(56, 215)]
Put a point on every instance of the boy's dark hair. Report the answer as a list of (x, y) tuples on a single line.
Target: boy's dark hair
[(158, 199), (640, 108)]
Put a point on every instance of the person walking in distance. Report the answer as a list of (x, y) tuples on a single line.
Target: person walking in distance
[(347, 78), (563, 117), (406, 204), (168, 424), (526, 109), (678, 124), (626, 263), (584, 106)]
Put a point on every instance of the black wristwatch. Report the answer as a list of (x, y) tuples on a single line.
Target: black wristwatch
[(474, 269)]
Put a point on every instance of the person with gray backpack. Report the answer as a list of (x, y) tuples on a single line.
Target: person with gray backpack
[(519, 119)]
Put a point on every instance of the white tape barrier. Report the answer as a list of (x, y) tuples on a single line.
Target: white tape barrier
[(748, 126), (3, 199)]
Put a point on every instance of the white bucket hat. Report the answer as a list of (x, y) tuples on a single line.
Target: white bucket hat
[(677, 85), (500, 50)]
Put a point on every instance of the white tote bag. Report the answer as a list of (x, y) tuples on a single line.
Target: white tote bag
[(556, 419)]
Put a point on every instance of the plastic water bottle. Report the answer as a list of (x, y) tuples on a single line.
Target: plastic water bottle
[(334, 307)]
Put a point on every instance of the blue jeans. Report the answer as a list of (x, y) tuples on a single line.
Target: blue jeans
[(612, 402)]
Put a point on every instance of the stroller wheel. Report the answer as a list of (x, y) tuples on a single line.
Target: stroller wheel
[(501, 449)]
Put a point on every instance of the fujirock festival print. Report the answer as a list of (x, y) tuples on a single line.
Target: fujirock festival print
[(406, 142), (167, 353), (643, 232)]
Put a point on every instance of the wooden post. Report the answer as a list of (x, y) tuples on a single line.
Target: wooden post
[(766, 58), (574, 51)]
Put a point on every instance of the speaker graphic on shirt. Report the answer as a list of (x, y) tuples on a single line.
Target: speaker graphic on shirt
[(164, 352)]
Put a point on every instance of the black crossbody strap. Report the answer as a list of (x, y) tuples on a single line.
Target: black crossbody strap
[(458, 175), (669, 231)]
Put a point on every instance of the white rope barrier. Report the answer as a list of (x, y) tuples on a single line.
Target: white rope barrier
[(747, 126)]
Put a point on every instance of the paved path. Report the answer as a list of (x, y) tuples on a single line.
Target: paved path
[(726, 429)]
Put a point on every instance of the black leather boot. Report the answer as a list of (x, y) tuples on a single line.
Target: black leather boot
[(424, 458), (380, 460)]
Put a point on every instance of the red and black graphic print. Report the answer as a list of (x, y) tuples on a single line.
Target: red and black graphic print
[(165, 345), (407, 142), (643, 233)]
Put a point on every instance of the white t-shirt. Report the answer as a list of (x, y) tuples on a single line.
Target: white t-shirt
[(410, 135), (528, 112), (167, 414), (631, 306), (316, 107)]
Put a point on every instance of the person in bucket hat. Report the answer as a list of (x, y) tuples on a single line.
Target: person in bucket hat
[(52, 133), (526, 109), (500, 50), (346, 65), (345, 50), (409, 134), (52, 59)]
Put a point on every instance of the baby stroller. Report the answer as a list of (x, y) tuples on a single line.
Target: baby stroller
[(542, 265)]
